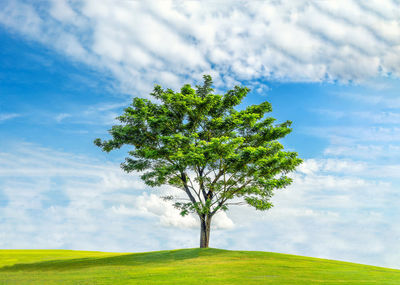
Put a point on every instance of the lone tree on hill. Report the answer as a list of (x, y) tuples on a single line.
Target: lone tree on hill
[(196, 141)]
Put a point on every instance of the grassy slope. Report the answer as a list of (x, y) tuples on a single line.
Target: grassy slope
[(184, 266)]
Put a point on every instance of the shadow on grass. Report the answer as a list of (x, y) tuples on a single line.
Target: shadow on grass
[(120, 260)]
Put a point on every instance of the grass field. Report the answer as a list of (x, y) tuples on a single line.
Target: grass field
[(184, 266)]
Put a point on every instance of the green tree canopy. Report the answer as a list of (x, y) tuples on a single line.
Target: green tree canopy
[(198, 142)]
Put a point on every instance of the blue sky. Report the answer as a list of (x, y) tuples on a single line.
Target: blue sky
[(68, 68)]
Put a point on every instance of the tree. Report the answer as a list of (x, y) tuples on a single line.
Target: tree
[(198, 142)]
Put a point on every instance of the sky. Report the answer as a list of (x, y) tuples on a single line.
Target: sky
[(68, 68)]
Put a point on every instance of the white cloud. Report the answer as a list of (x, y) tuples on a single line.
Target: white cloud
[(169, 216), (62, 11), (154, 206), (30, 21), (331, 165), (349, 167), (174, 42), (222, 221)]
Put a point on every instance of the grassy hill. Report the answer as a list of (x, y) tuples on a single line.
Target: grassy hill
[(184, 266)]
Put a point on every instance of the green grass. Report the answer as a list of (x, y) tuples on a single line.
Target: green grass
[(184, 266)]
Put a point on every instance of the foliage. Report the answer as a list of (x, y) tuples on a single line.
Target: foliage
[(197, 141)]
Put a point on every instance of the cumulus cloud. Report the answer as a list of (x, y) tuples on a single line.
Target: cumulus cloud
[(152, 205), (172, 41), (168, 215)]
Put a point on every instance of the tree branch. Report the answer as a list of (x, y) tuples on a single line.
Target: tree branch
[(223, 200), (186, 188)]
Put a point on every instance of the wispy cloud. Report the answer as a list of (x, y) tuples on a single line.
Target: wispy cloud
[(374, 117), (356, 134), (61, 117), (364, 151), (104, 113), (364, 125), (383, 99), (5, 117), (98, 114)]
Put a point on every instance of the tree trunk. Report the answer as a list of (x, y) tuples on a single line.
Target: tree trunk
[(205, 223)]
